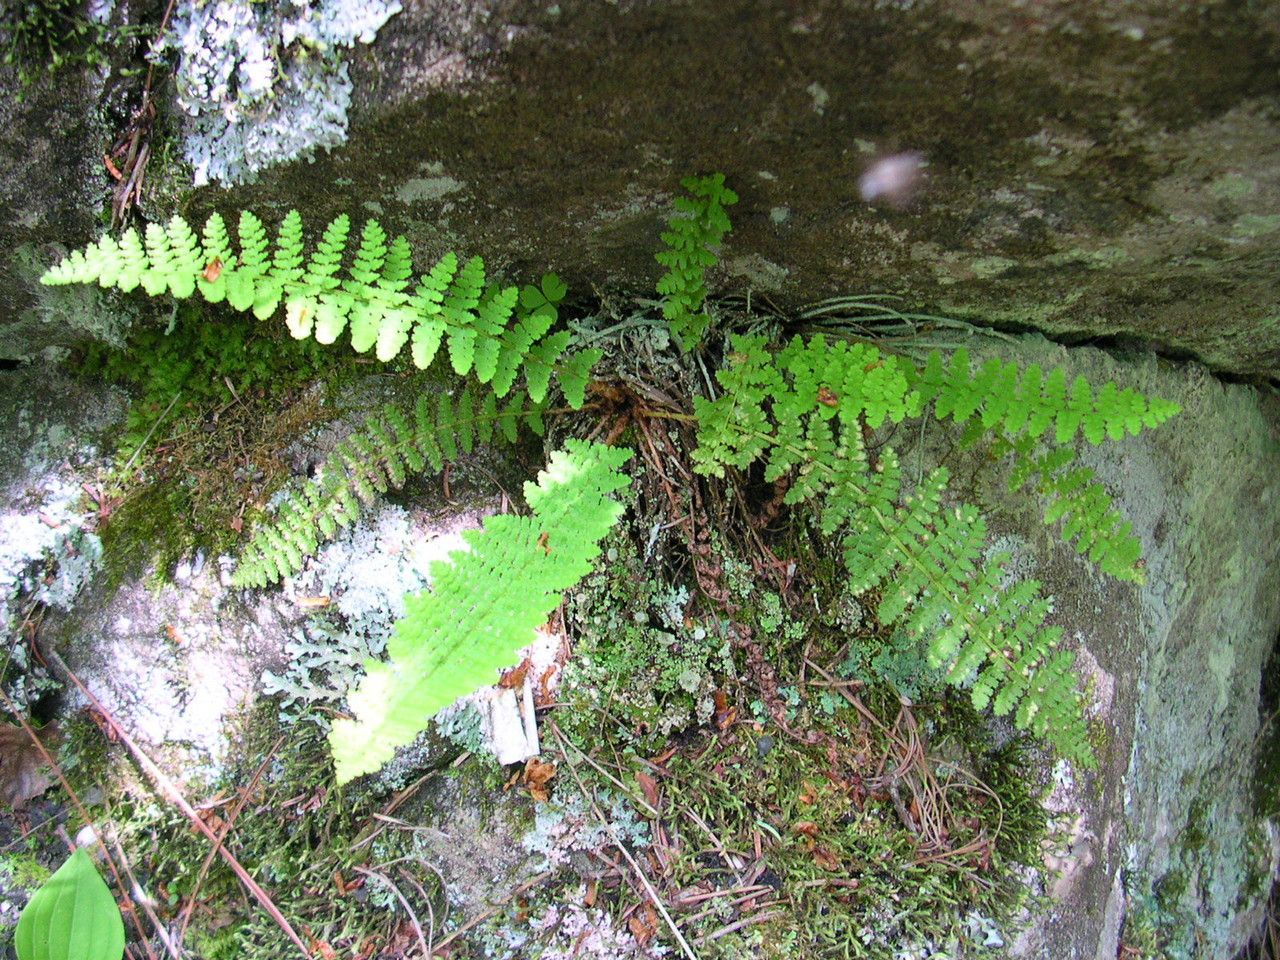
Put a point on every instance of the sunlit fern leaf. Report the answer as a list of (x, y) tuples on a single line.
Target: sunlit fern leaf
[(484, 604), (458, 313), (494, 331)]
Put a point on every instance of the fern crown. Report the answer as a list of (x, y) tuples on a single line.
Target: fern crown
[(495, 333)]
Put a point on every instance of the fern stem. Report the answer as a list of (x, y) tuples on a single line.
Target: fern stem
[(667, 415)]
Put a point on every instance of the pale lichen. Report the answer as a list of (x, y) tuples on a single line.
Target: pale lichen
[(263, 83)]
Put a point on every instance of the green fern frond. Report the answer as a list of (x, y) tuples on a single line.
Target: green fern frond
[(380, 456), (697, 227), (483, 605), (802, 412), (1017, 410), (998, 397), (927, 562), (374, 303), (781, 402), (1076, 500)]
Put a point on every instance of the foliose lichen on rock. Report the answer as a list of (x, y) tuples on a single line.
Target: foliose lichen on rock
[(263, 83)]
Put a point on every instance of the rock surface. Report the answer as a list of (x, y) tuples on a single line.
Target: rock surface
[(1167, 826), (1093, 170)]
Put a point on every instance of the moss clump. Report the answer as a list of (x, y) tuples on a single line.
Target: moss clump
[(41, 36), (640, 660), (145, 530), (779, 785), (215, 404), (23, 870)]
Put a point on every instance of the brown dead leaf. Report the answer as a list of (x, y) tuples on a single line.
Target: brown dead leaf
[(545, 697), (828, 397), (827, 860), (22, 771), (725, 714), (323, 949), (345, 886), (212, 270), (805, 828), (809, 795), (663, 757), (513, 679), (643, 924), (212, 820), (652, 792), (536, 777), (589, 898)]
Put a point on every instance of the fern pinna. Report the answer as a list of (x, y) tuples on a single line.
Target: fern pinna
[(381, 455), (483, 605), (803, 412), (693, 231), (495, 333)]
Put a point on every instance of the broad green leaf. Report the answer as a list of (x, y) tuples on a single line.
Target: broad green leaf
[(72, 917), (554, 288)]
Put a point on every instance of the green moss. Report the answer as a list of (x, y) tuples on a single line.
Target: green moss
[(216, 401), (1196, 836), (41, 36), (297, 836), (148, 529), (986, 267), (805, 797), (1232, 186), (1100, 259), (639, 662), (23, 870), (1252, 225)]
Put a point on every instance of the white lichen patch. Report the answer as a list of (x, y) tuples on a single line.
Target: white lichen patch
[(435, 185), (263, 83), (48, 552)]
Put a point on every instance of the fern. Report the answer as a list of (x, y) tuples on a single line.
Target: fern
[(483, 606), (927, 562), (996, 396), (1030, 416), (378, 457), (698, 225), (803, 411), (493, 332)]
